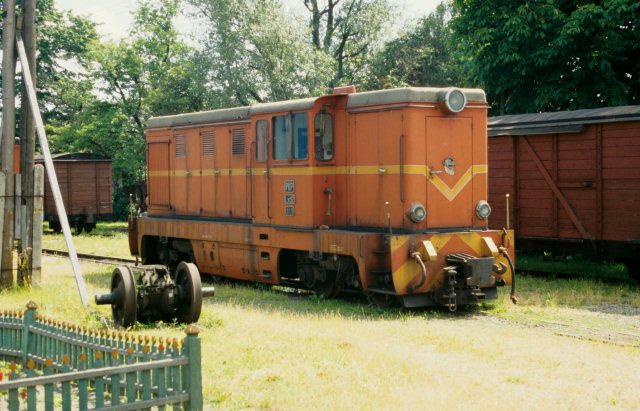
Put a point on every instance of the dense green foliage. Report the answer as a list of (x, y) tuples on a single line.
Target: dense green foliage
[(422, 56), (64, 43), (547, 55), (254, 52)]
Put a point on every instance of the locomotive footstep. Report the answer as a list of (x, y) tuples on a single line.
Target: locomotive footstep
[(156, 294)]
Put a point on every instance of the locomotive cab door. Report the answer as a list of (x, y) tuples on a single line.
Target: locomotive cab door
[(187, 173), (238, 173), (260, 176), (374, 157), (449, 146)]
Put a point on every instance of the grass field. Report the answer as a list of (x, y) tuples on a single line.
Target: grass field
[(270, 349), (568, 267)]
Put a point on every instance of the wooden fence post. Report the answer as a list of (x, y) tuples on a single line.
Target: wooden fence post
[(194, 372), (3, 191), (36, 238)]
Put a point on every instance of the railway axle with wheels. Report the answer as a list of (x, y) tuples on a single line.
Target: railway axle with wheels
[(156, 294)]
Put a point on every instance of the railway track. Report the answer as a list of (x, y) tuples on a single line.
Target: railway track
[(101, 259), (581, 332)]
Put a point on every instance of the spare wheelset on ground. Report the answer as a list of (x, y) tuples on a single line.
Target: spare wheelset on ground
[(156, 295)]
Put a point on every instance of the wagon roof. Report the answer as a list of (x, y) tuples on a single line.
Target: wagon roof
[(559, 122), (398, 95), (74, 157)]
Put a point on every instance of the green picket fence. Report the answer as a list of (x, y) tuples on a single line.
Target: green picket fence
[(75, 367)]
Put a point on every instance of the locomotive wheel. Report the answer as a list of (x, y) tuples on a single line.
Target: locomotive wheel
[(328, 288), (190, 291), (123, 286), (383, 300)]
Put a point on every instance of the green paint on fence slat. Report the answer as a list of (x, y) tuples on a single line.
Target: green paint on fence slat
[(131, 377), (48, 388), (175, 373), (31, 391), (99, 381), (115, 379), (162, 388), (14, 399), (66, 386), (83, 394), (146, 374)]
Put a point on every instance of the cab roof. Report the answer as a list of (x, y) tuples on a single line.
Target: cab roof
[(378, 97)]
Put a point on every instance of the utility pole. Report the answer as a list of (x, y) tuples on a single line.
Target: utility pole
[(8, 137), (27, 141)]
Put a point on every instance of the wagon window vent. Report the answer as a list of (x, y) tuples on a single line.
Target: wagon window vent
[(209, 143), (181, 146), (237, 141)]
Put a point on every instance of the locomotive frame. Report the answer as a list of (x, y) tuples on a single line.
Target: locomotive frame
[(386, 196)]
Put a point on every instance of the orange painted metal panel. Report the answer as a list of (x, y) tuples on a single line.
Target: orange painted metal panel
[(374, 167), (158, 163), (449, 157)]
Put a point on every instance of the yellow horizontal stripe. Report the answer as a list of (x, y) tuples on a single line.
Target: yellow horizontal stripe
[(408, 169), (450, 193)]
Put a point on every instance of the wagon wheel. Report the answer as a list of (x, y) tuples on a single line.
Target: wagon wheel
[(633, 268), (55, 227), (124, 287), (88, 227), (189, 291)]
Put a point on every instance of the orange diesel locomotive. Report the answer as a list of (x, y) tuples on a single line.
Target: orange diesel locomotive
[(381, 192)]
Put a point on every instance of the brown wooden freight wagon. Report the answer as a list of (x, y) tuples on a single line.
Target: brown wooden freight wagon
[(573, 179), (86, 187)]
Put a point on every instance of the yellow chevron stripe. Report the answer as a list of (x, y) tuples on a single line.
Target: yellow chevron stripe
[(398, 242), (451, 193)]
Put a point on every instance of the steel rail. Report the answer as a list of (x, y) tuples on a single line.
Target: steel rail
[(91, 257)]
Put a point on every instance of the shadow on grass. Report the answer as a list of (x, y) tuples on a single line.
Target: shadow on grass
[(351, 305), (276, 299)]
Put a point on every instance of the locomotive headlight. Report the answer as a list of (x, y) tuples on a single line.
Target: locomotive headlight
[(417, 212), (483, 210), (453, 100)]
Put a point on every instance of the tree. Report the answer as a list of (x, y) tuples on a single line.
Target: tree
[(254, 52), (548, 55), (348, 31), (422, 56), (64, 41)]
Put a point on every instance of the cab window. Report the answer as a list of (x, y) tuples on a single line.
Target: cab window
[(290, 137), (323, 136), (262, 139)]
